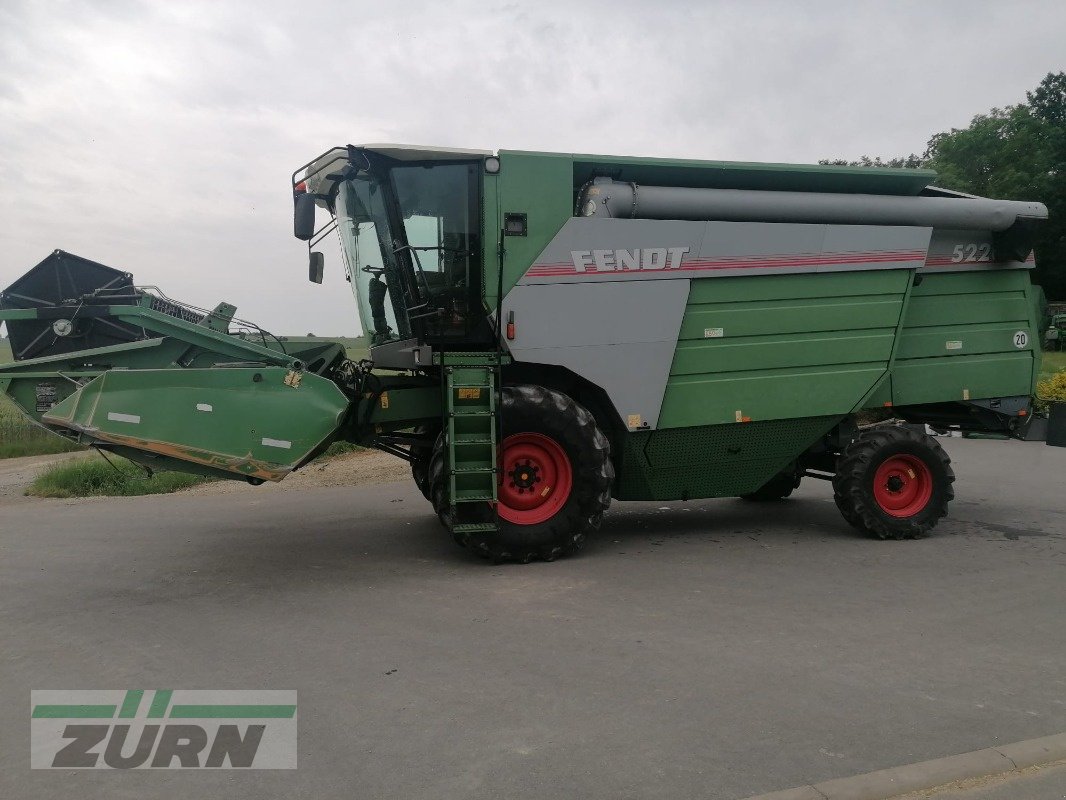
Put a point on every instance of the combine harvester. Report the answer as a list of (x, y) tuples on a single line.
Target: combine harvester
[(558, 330)]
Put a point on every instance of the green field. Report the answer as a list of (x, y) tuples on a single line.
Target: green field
[(19, 436)]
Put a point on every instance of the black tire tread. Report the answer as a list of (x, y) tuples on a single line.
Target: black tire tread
[(576, 429), (853, 480), (420, 458), (778, 487)]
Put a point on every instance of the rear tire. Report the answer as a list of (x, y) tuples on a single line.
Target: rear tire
[(893, 483), (777, 488), (554, 481)]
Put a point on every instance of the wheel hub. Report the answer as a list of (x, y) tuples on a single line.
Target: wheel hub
[(903, 485), (524, 477), (535, 478)]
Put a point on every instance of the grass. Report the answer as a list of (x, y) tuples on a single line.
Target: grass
[(1052, 363), (94, 477), (339, 449)]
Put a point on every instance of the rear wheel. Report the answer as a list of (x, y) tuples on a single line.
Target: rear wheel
[(554, 480), (893, 483), (777, 488)]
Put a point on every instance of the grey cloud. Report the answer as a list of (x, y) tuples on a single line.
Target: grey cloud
[(160, 136)]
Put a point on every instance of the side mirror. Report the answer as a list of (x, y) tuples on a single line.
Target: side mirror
[(303, 220), (315, 267)]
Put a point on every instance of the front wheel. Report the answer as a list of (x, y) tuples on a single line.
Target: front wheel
[(554, 479), (420, 458), (893, 483)]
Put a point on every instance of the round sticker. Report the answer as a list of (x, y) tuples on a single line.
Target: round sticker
[(1021, 339)]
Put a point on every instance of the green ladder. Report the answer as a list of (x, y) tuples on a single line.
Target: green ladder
[(470, 384)]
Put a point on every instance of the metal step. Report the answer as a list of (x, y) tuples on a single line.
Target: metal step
[(475, 527), (470, 386)]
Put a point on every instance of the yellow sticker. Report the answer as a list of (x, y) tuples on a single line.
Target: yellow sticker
[(384, 399), (634, 420), (469, 394)]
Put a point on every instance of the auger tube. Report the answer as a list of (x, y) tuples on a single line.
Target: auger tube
[(605, 197)]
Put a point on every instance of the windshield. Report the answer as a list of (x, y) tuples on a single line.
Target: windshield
[(423, 273), (374, 270)]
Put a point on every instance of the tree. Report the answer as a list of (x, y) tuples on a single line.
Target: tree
[(1014, 153), (913, 161)]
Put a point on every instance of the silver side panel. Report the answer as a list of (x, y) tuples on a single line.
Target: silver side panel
[(592, 249), (620, 335)]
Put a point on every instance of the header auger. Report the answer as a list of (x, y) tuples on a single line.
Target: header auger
[(551, 331)]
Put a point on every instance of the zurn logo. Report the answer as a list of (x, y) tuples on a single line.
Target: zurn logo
[(162, 729), (621, 260)]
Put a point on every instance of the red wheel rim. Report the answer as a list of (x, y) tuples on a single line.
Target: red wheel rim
[(535, 478), (903, 485)]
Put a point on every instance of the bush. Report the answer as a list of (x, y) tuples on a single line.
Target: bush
[(95, 477), (1051, 389)]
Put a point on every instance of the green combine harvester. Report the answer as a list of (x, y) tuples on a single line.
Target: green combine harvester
[(551, 331)]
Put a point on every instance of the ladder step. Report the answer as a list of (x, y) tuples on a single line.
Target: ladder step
[(470, 385), (475, 527), (468, 470), (473, 496), (463, 413), (463, 439)]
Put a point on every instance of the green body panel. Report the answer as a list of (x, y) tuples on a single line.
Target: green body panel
[(540, 186), (712, 460), (782, 346), (958, 339), (753, 175), (400, 401), (251, 421), (544, 186)]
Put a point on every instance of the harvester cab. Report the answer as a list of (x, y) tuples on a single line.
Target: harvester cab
[(548, 332), (409, 222)]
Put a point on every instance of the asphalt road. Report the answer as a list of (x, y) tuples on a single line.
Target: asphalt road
[(711, 649)]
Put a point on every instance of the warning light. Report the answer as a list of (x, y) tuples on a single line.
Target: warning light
[(300, 188), (510, 325)]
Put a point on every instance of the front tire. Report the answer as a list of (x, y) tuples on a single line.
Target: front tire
[(893, 483), (420, 459), (554, 480)]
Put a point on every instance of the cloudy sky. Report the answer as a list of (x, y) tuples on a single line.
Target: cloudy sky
[(159, 136)]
